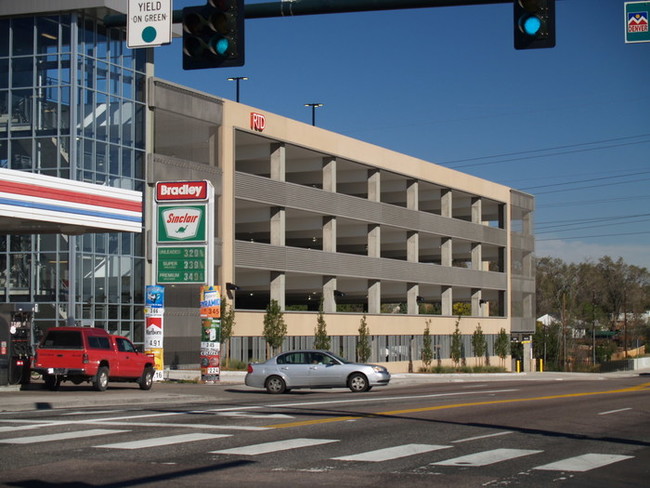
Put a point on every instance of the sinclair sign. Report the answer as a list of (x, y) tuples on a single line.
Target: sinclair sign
[(184, 232)]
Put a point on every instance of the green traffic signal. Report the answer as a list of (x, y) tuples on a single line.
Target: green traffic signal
[(534, 24), (213, 35)]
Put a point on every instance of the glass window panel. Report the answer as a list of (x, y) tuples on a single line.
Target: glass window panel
[(88, 37), (87, 118), (89, 73), (127, 84), (47, 70), (21, 154), (64, 157), (102, 75), (101, 117), (127, 164), (139, 164), (114, 163), (100, 158), (139, 126), (128, 132), (115, 120), (47, 114), (88, 154), (23, 72), (64, 109), (21, 111), (116, 80), (140, 60), (23, 33), (65, 36), (4, 38), (4, 112), (46, 152), (4, 73), (47, 35), (140, 85), (116, 46), (65, 69), (4, 163), (102, 46)]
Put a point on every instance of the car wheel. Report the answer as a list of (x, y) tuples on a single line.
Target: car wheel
[(146, 380), (275, 385), (358, 383), (100, 382)]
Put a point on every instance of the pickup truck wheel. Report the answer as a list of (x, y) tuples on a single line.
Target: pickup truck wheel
[(100, 381), (146, 380), (52, 382)]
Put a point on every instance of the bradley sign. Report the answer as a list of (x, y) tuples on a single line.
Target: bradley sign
[(181, 190)]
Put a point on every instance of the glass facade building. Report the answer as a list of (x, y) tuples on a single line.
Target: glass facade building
[(72, 105)]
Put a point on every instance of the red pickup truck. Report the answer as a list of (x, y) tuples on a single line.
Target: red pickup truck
[(79, 354)]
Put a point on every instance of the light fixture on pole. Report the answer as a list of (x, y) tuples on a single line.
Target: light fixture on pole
[(313, 106), (237, 79)]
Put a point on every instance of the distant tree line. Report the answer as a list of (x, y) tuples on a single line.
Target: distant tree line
[(598, 309)]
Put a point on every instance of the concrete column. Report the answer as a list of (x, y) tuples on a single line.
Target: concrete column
[(412, 292), (374, 240), (477, 256), (329, 174), (278, 162), (413, 247), (447, 301), (374, 185), (374, 296), (329, 301), (477, 308), (278, 226), (447, 251), (446, 203), (477, 210), (278, 282), (413, 195), (329, 234)]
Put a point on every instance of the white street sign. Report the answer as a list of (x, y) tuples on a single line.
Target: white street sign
[(149, 23)]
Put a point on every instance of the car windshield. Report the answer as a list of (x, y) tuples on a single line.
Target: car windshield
[(344, 361)]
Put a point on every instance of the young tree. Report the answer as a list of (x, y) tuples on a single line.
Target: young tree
[(363, 345), (275, 328), (227, 325), (502, 345), (456, 345), (322, 340), (427, 352), (479, 344)]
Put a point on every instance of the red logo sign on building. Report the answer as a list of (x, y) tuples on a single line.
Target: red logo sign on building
[(258, 121), (181, 190)]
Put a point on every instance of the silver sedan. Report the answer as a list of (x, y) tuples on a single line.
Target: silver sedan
[(314, 369)]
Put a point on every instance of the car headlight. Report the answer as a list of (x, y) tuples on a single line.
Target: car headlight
[(379, 369)]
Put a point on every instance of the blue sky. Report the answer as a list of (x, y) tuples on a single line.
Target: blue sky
[(570, 125)]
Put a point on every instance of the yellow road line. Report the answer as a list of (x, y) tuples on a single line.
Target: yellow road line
[(641, 387)]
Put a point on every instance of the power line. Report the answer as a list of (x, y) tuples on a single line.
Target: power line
[(593, 202), (591, 186), (586, 181), (618, 234)]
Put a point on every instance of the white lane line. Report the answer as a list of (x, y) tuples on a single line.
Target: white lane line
[(60, 436), (615, 411), (389, 453), (162, 441), (487, 457), (486, 436), (583, 463), (164, 424), (21, 427), (267, 447)]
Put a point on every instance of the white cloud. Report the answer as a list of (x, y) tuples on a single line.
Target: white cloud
[(578, 252)]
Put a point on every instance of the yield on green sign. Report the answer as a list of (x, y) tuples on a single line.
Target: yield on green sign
[(181, 264)]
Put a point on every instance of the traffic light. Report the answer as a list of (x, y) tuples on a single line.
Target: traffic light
[(213, 35), (534, 24)]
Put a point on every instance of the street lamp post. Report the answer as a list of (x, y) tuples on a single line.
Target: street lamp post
[(313, 106), (237, 79)]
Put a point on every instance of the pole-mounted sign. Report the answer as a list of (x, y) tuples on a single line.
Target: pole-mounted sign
[(636, 22), (149, 23)]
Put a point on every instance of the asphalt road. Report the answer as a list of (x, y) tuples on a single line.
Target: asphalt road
[(588, 431)]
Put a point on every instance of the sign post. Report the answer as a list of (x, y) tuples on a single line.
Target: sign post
[(149, 23), (153, 333), (636, 22)]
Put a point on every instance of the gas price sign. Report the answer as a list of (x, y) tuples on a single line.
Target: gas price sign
[(180, 264)]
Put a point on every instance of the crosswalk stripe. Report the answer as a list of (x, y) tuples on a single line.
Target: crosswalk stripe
[(266, 447), (389, 453), (487, 457), (583, 463), (162, 441), (60, 436)]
